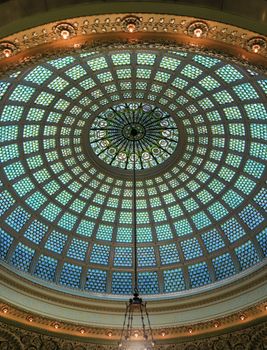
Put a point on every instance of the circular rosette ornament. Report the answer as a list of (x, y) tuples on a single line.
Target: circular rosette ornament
[(256, 45), (7, 49), (198, 29), (131, 24), (65, 30)]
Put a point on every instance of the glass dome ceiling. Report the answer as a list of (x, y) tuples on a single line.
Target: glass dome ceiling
[(112, 138), (66, 215)]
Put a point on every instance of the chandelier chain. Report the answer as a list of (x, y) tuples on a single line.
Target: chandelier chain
[(134, 222), (135, 304)]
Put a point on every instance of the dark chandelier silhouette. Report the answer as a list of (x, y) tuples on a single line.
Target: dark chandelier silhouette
[(135, 306)]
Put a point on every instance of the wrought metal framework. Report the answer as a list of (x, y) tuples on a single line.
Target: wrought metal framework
[(155, 140)]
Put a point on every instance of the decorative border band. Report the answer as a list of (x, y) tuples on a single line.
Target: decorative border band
[(78, 34)]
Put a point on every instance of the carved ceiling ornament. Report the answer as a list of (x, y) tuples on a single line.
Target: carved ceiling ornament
[(16, 338), (8, 340), (258, 340), (256, 313), (78, 33)]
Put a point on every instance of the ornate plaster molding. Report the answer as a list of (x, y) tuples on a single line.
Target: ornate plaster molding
[(14, 337), (75, 34), (106, 310)]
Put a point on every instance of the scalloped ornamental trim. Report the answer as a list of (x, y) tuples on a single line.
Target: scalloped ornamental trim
[(252, 337), (252, 315), (102, 32)]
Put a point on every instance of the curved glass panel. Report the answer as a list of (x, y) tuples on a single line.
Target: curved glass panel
[(65, 218)]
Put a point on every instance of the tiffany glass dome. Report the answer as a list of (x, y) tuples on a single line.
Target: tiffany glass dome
[(135, 131), (66, 154)]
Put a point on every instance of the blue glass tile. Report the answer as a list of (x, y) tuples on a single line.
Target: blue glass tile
[(3, 88), (251, 217), (85, 228), (212, 240), (70, 275), (206, 61), (146, 256), (224, 266), (124, 235), (199, 275), (11, 112), (14, 170), (100, 254), (123, 256), (169, 254), (36, 231), (46, 268), (17, 219), (245, 185), (22, 257), (217, 210), (36, 200), (247, 255), (9, 152), (163, 232), (6, 201), (261, 199), (232, 198), (144, 235), (173, 280), (233, 230), (245, 91), (122, 283), (104, 232), (5, 243), (262, 239), (201, 220), (254, 168), (258, 150), (77, 249), (56, 242), (50, 212), (191, 248), (67, 221), (148, 283), (96, 281), (182, 227), (23, 186)]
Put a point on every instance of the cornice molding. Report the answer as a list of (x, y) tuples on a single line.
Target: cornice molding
[(77, 34), (41, 307), (16, 332)]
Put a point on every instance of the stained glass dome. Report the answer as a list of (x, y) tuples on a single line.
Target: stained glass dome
[(133, 131), (66, 213)]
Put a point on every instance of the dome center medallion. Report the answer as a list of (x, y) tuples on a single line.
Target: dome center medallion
[(133, 132), (138, 130)]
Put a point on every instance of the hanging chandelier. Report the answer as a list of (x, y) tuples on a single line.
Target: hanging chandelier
[(136, 311)]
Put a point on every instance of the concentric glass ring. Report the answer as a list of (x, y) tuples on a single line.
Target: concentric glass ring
[(114, 132)]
